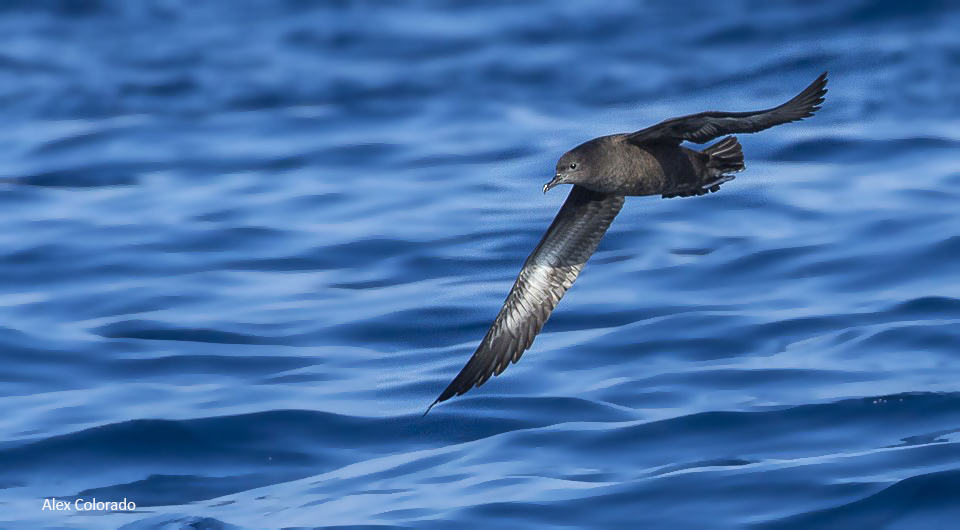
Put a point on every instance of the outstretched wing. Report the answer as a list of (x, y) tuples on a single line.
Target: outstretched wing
[(546, 275), (703, 127)]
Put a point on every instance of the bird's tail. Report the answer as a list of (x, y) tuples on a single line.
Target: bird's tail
[(724, 156)]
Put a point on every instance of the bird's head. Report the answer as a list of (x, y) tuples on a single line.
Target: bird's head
[(570, 170)]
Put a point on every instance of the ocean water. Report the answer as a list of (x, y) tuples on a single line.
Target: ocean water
[(245, 243)]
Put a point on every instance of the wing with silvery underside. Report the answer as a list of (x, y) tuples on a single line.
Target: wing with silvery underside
[(546, 275)]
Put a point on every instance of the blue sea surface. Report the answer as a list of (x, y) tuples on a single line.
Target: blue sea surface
[(245, 243)]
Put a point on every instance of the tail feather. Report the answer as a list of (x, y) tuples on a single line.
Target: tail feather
[(720, 159), (725, 156)]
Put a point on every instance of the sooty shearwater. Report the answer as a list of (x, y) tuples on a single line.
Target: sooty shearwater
[(603, 172)]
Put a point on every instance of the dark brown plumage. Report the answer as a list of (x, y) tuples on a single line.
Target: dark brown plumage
[(603, 171)]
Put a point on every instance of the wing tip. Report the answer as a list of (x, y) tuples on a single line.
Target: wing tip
[(453, 389), (809, 100), (818, 89), (430, 407), (457, 387), (468, 378)]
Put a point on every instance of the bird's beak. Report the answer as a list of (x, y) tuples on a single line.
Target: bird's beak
[(557, 179)]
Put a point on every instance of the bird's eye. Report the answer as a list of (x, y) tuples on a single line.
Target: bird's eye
[(573, 165)]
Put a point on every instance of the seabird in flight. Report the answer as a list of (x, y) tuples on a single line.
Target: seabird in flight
[(603, 171)]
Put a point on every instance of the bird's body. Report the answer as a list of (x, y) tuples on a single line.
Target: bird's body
[(643, 169), (603, 172)]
